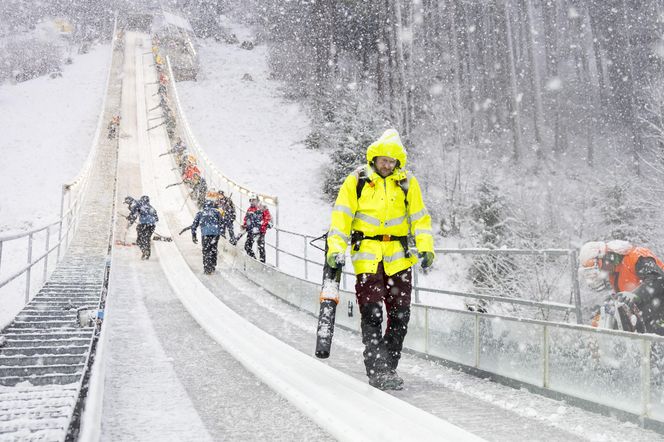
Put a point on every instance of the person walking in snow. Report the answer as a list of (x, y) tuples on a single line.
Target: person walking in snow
[(130, 202), (209, 219), (147, 220), (227, 209), (256, 221), (113, 126), (634, 274), (199, 191), (378, 207)]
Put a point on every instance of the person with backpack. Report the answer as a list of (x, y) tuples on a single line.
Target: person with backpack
[(227, 210), (147, 220), (256, 222), (378, 208), (130, 202), (634, 274), (209, 219), (199, 190)]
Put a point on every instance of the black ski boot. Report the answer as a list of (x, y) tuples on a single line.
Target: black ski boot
[(389, 380), (395, 381)]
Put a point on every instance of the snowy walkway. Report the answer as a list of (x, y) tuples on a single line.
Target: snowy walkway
[(165, 378)]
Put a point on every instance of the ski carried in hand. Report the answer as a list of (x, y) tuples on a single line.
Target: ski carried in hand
[(158, 237), (238, 238), (119, 242), (329, 298)]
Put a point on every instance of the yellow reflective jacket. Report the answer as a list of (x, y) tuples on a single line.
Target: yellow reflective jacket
[(380, 210)]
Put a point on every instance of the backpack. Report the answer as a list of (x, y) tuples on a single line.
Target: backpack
[(229, 208), (254, 219)]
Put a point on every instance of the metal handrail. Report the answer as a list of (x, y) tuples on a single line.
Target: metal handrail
[(24, 269), (464, 343), (11, 237)]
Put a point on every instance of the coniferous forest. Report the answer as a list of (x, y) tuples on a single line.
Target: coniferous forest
[(533, 123)]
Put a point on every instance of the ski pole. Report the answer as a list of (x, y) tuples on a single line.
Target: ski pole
[(124, 239), (175, 184), (154, 127), (183, 204)]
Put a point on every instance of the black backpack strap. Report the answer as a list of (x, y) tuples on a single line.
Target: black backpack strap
[(362, 180)]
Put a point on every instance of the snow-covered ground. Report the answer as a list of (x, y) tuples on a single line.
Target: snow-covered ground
[(47, 130)]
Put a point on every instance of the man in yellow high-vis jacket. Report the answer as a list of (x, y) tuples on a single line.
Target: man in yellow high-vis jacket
[(378, 207)]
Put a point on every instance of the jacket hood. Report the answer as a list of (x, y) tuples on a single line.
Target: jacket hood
[(388, 145)]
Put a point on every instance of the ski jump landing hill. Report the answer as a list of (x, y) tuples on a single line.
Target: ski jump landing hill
[(43, 396)]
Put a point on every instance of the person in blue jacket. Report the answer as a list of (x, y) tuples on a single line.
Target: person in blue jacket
[(147, 219), (209, 219)]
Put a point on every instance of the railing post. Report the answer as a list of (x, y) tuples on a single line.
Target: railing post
[(575, 285), (48, 238), (545, 357), (416, 290), (306, 264), (645, 376), (477, 340), (426, 330), (28, 272), (276, 244), (62, 208)]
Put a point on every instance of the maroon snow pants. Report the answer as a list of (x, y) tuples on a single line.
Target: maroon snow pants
[(382, 352)]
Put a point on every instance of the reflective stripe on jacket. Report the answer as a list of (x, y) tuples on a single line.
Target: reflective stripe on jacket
[(380, 210)]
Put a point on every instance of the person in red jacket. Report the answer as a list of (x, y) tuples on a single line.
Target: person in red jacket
[(256, 222), (634, 273)]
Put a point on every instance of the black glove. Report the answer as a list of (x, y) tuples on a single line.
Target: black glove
[(194, 239), (426, 259)]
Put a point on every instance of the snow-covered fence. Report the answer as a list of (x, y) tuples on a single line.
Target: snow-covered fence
[(587, 366), (539, 284), (553, 292), (45, 241)]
